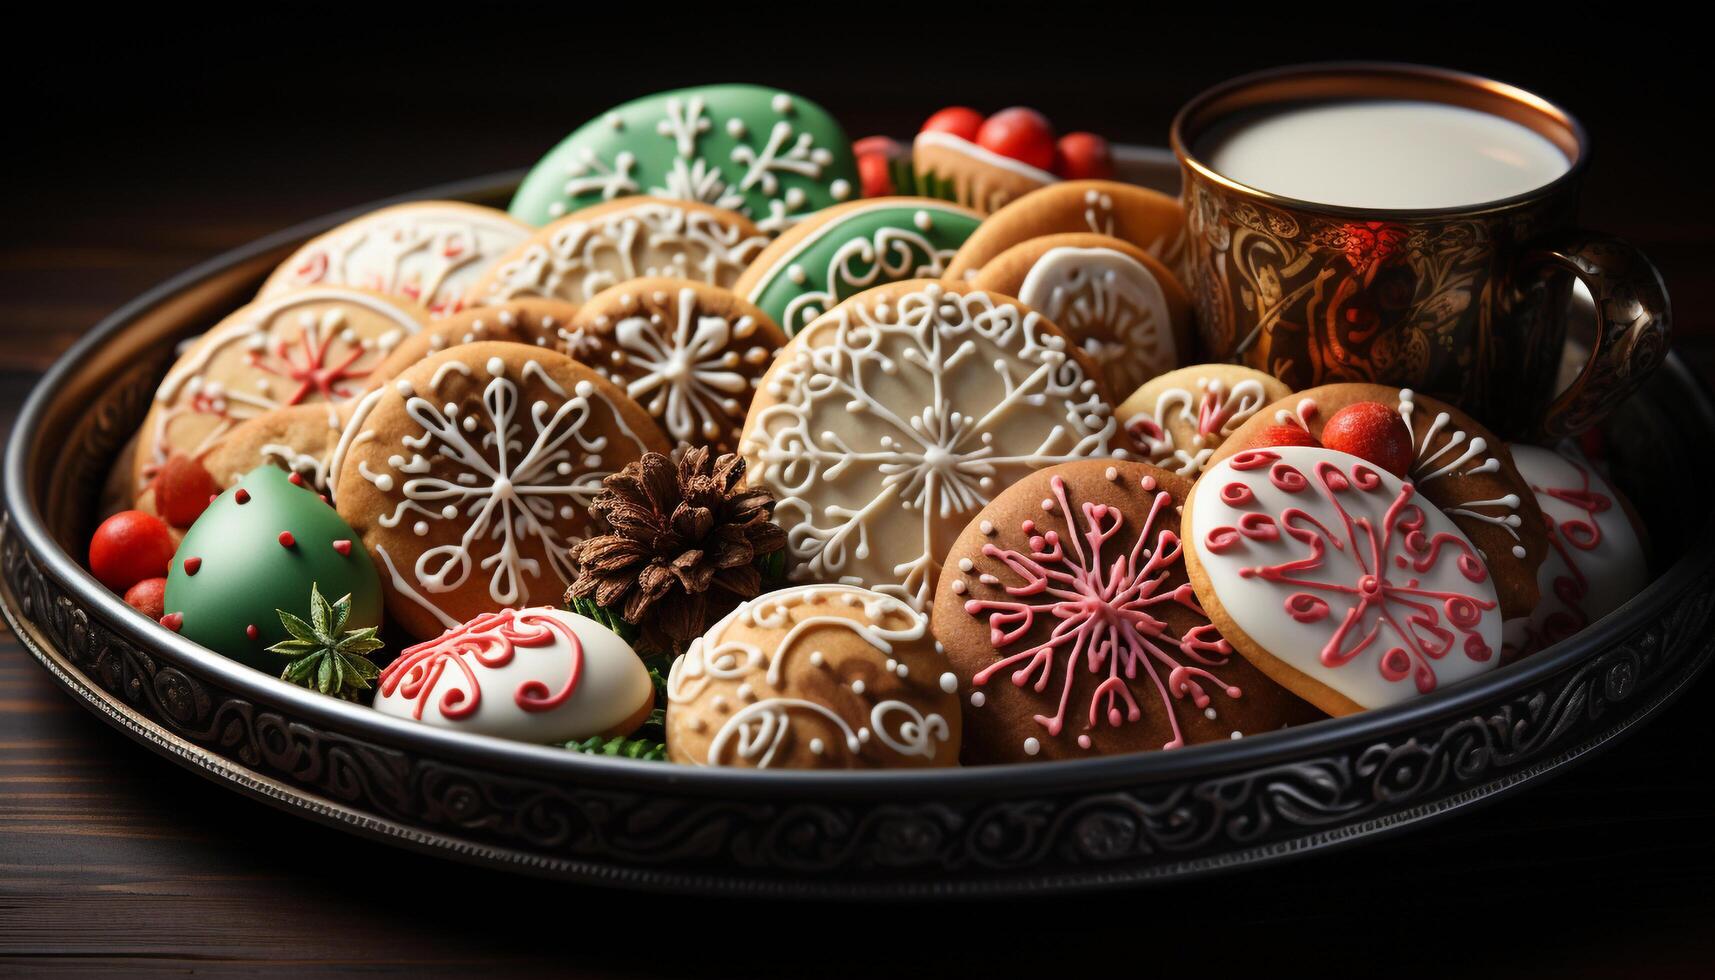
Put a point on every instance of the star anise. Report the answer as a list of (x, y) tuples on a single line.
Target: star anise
[(682, 545)]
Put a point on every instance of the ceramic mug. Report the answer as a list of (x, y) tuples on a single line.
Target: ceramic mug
[(1467, 302)]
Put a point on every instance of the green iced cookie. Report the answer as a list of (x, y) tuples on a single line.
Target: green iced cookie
[(255, 550), (851, 248), (769, 155)]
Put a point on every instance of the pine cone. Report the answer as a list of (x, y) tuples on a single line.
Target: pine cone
[(682, 546)]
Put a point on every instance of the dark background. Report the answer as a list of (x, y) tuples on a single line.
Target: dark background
[(133, 150)]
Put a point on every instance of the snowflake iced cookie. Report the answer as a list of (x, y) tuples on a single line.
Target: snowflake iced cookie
[(1149, 220), (1179, 419), (1596, 558), (889, 421), (538, 674), (690, 353), (298, 439), (426, 252), (1456, 464), (848, 248), (600, 247), (769, 155), (470, 475), (312, 346), (535, 322), (1066, 611), (1122, 306), (1335, 578), (815, 677)]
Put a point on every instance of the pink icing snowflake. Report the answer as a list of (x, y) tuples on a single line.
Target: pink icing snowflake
[(1103, 612), (491, 640), (1354, 565)]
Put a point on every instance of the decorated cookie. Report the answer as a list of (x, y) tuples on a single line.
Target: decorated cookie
[(427, 252), (598, 248), (886, 424), (1149, 220), (815, 677), (1066, 612), (986, 162), (536, 322), (299, 439), (690, 353), (1179, 419), (533, 675), (1457, 465), (1596, 559), (311, 346), (1336, 579), (1121, 305), (852, 247), (470, 475), (769, 155), (258, 550)]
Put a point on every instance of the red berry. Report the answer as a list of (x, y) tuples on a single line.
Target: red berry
[(147, 597), (1083, 156), (885, 146), (958, 120), (1282, 435), (183, 490), (129, 547), (1372, 431), (1022, 134), (875, 175)]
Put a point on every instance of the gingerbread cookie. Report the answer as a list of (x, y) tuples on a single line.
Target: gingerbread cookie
[(1333, 577), (600, 247), (1596, 559), (1066, 611), (539, 675), (892, 419), (1149, 220), (769, 155), (1127, 311), (299, 439), (815, 677), (848, 248), (690, 353), (470, 475), (1179, 419), (427, 252), (1456, 464), (536, 322), (311, 346), (981, 179)]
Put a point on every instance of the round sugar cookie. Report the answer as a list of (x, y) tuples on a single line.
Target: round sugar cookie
[(426, 252), (470, 475), (1179, 419), (299, 439), (814, 677), (1336, 579), (1149, 220), (1122, 306), (536, 322), (310, 346), (690, 353), (1067, 614), (1596, 557), (843, 250), (981, 179), (631, 238), (1458, 465), (892, 419)]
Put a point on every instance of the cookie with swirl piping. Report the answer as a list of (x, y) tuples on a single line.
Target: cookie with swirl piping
[(470, 476), (1127, 311), (1179, 419), (1455, 463), (534, 321), (1067, 613), (815, 677), (690, 353)]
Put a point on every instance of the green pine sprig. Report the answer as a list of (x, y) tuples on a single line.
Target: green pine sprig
[(909, 182), (647, 749), (607, 617), (326, 658)]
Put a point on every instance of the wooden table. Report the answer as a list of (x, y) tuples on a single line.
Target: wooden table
[(110, 857)]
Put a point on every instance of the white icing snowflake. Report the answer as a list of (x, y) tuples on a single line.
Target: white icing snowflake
[(592, 173), (687, 376)]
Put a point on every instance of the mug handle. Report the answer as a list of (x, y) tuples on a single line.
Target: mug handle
[(1633, 325)]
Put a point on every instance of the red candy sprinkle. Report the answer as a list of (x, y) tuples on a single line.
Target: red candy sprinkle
[(241, 495), (296, 479), (342, 546), (251, 631), (1372, 431), (286, 539), (173, 621), (1282, 435), (192, 564)]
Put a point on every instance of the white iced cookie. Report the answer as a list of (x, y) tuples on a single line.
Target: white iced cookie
[(1179, 419), (889, 421), (534, 675), (815, 677), (1595, 559)]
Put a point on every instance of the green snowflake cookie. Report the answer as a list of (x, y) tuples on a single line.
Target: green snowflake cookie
[(769, 155)]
